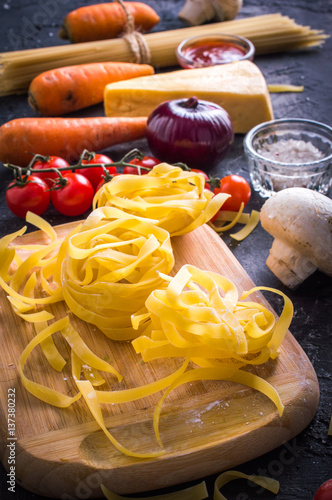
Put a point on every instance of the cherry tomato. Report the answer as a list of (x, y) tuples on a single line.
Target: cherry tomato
[(94, 174), (51, 162), (75, 197), (34, 196), (324, 492), (148, 162), (238, 188)]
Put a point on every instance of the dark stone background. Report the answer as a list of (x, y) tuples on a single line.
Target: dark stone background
[(31, 23)]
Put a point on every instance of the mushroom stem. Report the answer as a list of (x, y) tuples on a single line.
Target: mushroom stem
[(288, 264)]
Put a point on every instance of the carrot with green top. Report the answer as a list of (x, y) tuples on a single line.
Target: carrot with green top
[(106, 20), (64, 137), (63, 90)]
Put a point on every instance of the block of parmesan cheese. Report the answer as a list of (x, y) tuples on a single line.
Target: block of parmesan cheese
[(238, 87)]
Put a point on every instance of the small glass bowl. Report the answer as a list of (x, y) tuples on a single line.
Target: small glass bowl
[(240, 49), (289, 153)]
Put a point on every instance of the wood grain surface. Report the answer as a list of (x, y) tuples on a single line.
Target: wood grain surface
[(206, 427)]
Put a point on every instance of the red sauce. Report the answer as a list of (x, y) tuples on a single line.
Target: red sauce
[(211, 53)]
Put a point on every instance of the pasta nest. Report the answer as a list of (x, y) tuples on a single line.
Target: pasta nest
[(199, 313), (176, 199), (110, 267)]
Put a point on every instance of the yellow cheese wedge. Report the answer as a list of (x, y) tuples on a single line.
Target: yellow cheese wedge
[(238, 87)]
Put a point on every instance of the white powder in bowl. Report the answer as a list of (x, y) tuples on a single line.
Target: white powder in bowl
[(291, 151)]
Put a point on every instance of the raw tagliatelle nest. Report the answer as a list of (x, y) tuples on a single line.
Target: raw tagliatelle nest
[(174, 198), (200, 317), (110, 266)]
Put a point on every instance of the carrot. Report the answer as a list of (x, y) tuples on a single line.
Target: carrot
[(64, 137), (106, 20), (63, 90)]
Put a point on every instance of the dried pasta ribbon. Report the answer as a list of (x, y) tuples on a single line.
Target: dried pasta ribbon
[(284, 320), (53, 356), (16, 275), (224, 478), (84, 353), (42, 224), (135, 393), (175, 199), (89, 394), (46, 394), (8, 255), (280, 87), (249, 222), (253, 221)]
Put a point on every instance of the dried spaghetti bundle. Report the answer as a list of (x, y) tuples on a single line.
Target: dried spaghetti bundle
[(174, 198), (111, 266)]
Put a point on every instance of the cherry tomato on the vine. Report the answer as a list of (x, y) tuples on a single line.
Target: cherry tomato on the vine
[(94, 174), (148, 162), (34, 196), (51, 162), (238, 188), (75, 197), (324, 492)]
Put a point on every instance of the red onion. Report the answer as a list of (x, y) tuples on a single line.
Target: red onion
[(191, 131)]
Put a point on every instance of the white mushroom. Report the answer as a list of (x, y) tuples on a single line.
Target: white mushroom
[(196, 12), (300, 220)]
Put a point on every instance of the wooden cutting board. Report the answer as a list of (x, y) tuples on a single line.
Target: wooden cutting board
[(206, 427)]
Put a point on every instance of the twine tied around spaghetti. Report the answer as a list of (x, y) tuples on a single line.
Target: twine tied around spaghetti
[(135, 39)]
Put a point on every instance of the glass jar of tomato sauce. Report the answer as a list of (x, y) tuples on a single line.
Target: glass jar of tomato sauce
[(209, 50)]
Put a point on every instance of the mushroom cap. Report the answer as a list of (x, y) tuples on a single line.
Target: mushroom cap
[(302, 218)]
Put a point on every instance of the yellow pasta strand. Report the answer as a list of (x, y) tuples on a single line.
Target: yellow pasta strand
[(84, 353), (50, 350), (249, 221), (90, 396), (284, 88), (224, 478), (42, 224), (284, 321), (126, 395), (249, 226), (48, 395), (7, 255)]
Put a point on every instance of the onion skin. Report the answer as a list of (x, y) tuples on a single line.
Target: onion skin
[(195, 132)]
